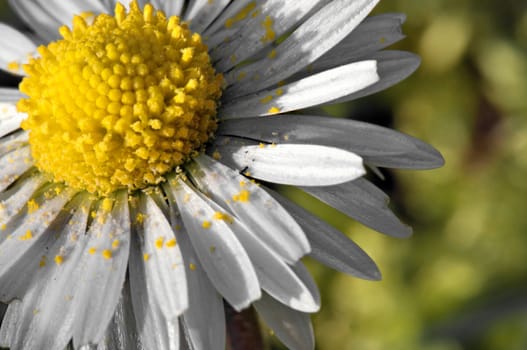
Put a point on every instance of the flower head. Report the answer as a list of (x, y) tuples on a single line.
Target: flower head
[(132, 156)]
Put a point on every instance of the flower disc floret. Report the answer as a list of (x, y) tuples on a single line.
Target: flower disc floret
[(120, 102)]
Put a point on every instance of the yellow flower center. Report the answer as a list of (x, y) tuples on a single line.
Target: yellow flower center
[(120, 102)]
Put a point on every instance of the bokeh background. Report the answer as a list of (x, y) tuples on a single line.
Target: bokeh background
[(460, 283)]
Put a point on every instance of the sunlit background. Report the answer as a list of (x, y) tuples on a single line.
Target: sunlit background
[(460, 283)]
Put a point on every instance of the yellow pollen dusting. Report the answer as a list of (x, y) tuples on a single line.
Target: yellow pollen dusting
[(115, 244), (27, 236), (171, 243), (272, 54), (31, 206), (192, 266), (223, 216), (269, 32), (159, 242), (59, 259), (273, 110), (146, 256), (120, 101), (92, 250), (13, 66), (42, 262), (139, 218), (242, 196), (107, 254), (266, 99), (206, 224), (241, 15)]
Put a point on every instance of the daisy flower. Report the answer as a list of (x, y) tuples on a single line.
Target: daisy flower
[(135, 153)]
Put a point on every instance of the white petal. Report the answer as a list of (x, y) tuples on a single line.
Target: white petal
[(14, 47), (292, 327), (172, 7), (13, 141), (313, 38), (10, 324), (109, 234), (204, 321), (10, 119), (122, 333), (53, 292), (13, 165), (22, 249), (8, 95), (372, 35), (220, 253), (331, 247), (364, 202), (267, 22), (156, 252), (260, 213), (299, 165), (308, 92), (13, 200), (240, 9), (201, 13)]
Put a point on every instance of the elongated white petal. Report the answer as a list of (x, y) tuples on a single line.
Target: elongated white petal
[(173, 7), (392, 67), (10, 119), (122, 332), (8, 95), (274, 275), (364, 202), (14, 200), (331, 247), (155, 331), (221, 254), (28, 240), (308, 92), (105, 268), (204, 321), (55, 285), (13, 165), (372, 35), (157, 253), (10, 324), (256, 209), (377, 145), (292, 327), (313, 38), (299, 165), (14, 141), (14, 48), (268, 21), (201, 13)]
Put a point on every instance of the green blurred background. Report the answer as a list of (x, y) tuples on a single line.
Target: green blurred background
[(460, 283)]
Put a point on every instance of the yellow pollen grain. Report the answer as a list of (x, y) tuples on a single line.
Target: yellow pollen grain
[(270, 34), (92, 250), (13, 66), (273, 110), (171, 243), (223, 216), (106, 254), (261, 145), (243, 196), (192, 266), (115, 244), (216, 155), (266, 99), (279, 92), (206, 224), (107, 204), (212, 249), (241, 15), (146, 256), (59, 259), (119, 101), (272, 54), (159, 242), (139, 218), (42, 262), (32, 206), (27, 236), (3, 227)]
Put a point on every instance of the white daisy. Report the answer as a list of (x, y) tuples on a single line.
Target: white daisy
[(129, 208)]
